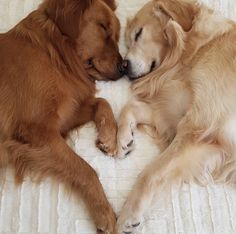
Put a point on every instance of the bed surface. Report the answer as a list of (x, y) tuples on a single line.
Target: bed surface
[(47, 208)]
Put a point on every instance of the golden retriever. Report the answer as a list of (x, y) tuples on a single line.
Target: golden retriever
[(49, 64), (182, 59)]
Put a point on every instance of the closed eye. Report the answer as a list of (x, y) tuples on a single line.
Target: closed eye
[(138, 34), (89, 63), (103, 27)]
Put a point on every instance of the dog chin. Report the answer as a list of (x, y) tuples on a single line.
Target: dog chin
[(132, 78), (136, 77)]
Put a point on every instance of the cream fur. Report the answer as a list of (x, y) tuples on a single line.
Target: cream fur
[(190, 101)]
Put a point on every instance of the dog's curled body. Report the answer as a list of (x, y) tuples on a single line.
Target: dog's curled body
[(191, 103), (47, 72)]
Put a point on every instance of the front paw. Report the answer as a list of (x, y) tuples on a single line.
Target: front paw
[(128, 222), (106, 142), (125, 142), (106, 222)]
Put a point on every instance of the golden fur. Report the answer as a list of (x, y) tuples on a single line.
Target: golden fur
[(189, 99), (49, 63)]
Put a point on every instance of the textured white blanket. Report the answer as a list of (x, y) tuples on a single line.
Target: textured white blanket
[(45, 208)]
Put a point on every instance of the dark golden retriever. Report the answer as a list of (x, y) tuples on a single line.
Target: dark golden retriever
[(49, 63)]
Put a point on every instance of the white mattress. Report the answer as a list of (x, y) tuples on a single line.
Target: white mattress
[(45, 208)]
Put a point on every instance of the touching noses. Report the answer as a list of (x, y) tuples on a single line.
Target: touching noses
[(124, 67)]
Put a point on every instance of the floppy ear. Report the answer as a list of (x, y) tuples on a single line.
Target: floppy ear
[(156, 79), (180, 11), (67, 14), (111, 4)]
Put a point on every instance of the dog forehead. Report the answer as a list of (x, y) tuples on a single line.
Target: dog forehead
[(103, 13), (101, 8), (150, 28), (145, 18)]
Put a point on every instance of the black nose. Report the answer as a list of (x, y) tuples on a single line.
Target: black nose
[(123, 67)]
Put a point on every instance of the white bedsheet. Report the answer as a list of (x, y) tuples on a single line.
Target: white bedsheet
[(45, 208)]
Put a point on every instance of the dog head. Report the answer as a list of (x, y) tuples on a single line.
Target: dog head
[(147, 37), (94, 30)]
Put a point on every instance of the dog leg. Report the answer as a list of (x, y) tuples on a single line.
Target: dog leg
[(54, 158), (180, 162), (99, 111), (134, 113), (106, 126)]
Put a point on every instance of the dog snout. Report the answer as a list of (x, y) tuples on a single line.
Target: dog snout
[(126, 65), (123, 67)]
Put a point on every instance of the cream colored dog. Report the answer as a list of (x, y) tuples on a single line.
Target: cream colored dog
[(182, 58)]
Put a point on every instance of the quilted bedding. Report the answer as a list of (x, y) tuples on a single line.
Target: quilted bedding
[(47, 208)]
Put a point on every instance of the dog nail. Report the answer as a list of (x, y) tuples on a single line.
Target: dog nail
[(103, 151), (136, 225), (99, 231), (131, 143), (128, 152)]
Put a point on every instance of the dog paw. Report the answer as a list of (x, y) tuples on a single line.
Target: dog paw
[(106, 141), (128, 223), (106, 148), (125, 142), (106, 223)]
